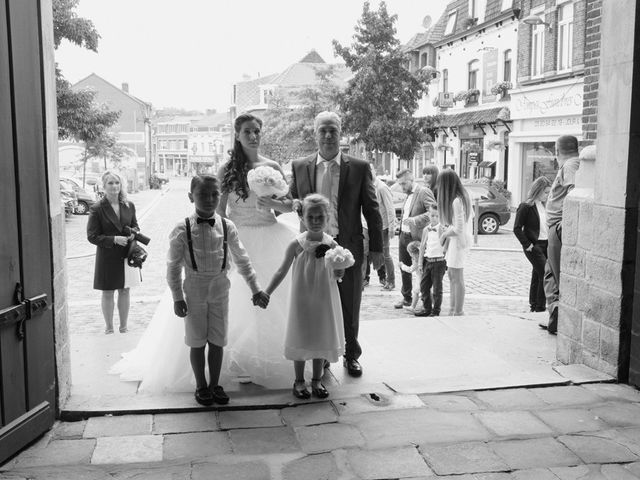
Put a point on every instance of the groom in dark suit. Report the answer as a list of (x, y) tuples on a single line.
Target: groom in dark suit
[(348, 184)]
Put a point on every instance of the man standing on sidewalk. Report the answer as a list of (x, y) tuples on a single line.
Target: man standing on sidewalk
[(569, 161), (415, 216)]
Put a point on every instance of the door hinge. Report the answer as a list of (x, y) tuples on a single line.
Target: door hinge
[(22, 310)]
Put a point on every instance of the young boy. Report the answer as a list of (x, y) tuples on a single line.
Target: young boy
[(413, 249), (432, 265), (200, 244)]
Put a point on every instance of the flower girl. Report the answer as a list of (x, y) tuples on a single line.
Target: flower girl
[(314, 329)]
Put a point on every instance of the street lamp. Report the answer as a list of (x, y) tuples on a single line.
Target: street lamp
[(535, 20)]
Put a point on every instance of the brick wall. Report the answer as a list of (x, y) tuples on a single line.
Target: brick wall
[(593, 15)]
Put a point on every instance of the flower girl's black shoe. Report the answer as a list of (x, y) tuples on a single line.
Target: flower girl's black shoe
[(318, 390), (300, 391)]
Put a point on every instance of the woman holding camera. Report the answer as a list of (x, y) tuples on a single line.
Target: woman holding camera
[(111, 226)]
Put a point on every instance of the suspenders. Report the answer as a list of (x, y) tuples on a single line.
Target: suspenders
[(190, 243)]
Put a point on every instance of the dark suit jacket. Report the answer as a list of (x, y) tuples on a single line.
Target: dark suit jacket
[(355, 192), (419, 210), (102, 226), (527, 224)]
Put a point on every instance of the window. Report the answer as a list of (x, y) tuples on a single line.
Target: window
[(473, 8), (451, 23), (474, 65), (507, 4), (537, 50), (477, 9), (445, 80), (506, 72), (565, 36), (424, 58)]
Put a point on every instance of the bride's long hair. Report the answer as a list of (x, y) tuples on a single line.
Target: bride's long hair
[(236, 169)]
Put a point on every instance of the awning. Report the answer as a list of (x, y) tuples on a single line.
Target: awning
[(470, 118), (486, 164)]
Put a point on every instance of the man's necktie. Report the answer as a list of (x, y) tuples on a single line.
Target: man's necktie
[(210, 221), (327, 179)]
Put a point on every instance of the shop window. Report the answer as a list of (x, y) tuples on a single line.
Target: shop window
[(474, 66), (506, 69), (565, 36)]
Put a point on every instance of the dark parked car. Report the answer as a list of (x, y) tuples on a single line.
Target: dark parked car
[(492, 205), (68, 202), (84, 197)]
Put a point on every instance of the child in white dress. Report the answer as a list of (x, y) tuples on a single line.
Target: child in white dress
[(315, 327)]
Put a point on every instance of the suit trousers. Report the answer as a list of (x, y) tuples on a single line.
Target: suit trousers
[(432, 275), (404, 257), (552, 269), (538, 259), (351, 288)]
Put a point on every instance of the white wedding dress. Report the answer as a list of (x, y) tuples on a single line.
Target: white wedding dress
[(255, 348)]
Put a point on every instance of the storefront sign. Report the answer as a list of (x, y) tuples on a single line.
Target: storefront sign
[(489, 74), (567, 124), (559, 101)]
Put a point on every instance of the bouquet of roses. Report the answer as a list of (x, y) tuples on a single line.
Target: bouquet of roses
[(267, 182), (338, 258)]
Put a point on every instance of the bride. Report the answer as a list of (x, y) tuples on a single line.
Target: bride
[(254, 352)]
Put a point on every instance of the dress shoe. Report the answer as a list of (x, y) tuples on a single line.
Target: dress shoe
[(353, 367), (402, 303), (203, 396), (388, 286), (219, 395), (552, 328), (300, 391), (422, 313)]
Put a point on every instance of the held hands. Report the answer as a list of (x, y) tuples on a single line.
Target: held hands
[(261, 299), (180, 308), (338, 274), (377, 258)]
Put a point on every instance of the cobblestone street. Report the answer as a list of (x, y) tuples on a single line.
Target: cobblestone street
[(497, 276)]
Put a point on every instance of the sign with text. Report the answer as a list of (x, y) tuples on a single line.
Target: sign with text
[(559, 101), (445, 100), (571, 124), (489, 74)]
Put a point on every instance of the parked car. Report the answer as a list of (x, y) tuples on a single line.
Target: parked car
[(84, 197), (68, 202), (162, 177), (493, 207)]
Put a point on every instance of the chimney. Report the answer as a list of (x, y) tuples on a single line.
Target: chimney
[(125, 87)]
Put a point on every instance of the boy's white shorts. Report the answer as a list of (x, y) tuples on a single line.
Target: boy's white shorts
[(207, 320)]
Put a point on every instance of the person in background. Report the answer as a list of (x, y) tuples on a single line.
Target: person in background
[(569, 161), (530, 227), (430, 175), (106, 228), (415, 216)]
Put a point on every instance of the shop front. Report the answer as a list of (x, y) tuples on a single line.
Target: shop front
[(540, 115)]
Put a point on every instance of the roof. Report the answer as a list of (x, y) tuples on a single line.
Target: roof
[(470, 118), (213, 120), (312, 57), (300, 74), (91, 78)]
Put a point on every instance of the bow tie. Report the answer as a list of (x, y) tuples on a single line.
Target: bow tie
[(432, 229), (210, 221)]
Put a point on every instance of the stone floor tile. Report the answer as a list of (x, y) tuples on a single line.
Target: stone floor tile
[(416, 426), (118, 426), (614, 391), (629, 437), (567, 395), (449, 403), (618, 414), (68, 430), (312, 467), (593, 449), (309, 414), (324, 438), (185, 422), (459, 458), (375, 402), (595, 472), (195, 445), (534, 474), (68, 472), (262, 441), (534, 453), (249, 419), (510, 399), (57, 452), (571, 420), (128, 449), (579, 374), (231, 471), (394, 463), (476, 476), (634, 468), (509, 424)]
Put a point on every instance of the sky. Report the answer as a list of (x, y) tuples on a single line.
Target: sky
[(188, 54)]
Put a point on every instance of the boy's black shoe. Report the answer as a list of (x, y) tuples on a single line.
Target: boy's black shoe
[(219, 396), (422, 313), (435, 314), (203, 396)]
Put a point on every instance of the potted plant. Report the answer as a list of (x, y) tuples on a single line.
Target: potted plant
[(430, 72), (470, 97), (470, 22), (495, 145), (502, 89)]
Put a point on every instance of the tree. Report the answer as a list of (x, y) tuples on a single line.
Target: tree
[(288, 122), (381, 98), (78, 115)]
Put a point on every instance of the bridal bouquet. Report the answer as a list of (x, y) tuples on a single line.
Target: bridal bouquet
[(338, 258), (267, 182)]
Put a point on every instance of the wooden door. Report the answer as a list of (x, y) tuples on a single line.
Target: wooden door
[(27, 358)]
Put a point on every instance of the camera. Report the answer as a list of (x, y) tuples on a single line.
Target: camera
[(136, 235)]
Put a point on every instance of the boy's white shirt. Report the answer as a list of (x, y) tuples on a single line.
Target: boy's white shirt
[(425, 237), (208, 251)]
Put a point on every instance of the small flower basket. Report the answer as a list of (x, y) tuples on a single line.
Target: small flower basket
[(502, 89), (430, 72), (469, 97)]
